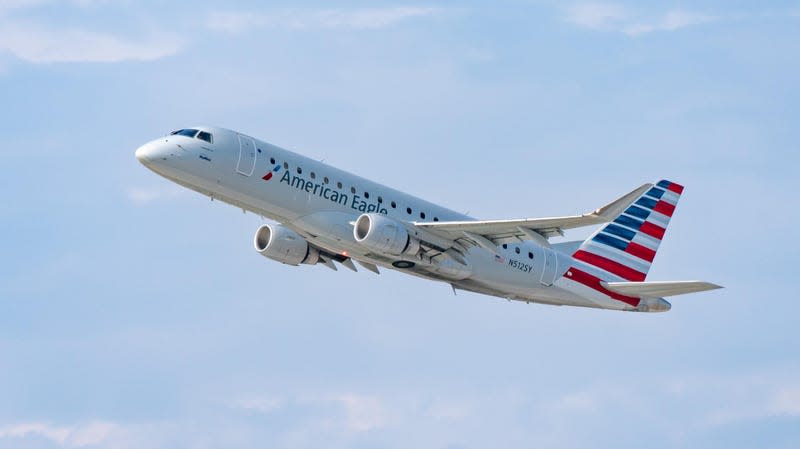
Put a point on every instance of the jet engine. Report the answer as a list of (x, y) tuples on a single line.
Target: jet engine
[(384, 235), (284, 245)]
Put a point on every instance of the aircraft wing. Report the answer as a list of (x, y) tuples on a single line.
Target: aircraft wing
[(488, 233)]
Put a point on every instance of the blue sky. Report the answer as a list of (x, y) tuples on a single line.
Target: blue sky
[(136, 314)]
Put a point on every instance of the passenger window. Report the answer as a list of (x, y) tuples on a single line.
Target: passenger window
[(313, 175), (366, 195), (422, 215), (505, 245), (353, 190), (272, 160), (299, 171), (394, 205), (286, 165), (325, 180), (408, 210), (339, 185), (530, 255), (516, 250), (435, 218), (202, 135)]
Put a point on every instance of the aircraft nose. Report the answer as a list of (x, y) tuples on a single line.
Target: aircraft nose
[(144, 153)]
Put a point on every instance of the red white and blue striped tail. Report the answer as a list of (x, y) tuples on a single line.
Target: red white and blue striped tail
[(623, 250)]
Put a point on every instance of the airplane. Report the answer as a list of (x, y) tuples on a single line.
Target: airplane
[(326, 216)]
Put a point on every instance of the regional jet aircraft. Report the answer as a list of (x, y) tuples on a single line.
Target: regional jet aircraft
[(326, 216)]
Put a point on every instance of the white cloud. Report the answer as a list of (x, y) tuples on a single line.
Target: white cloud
[(359, 19), (88, 434), (53, 433), (786, 402), (597, 16), (39, 44), (673, 20), (362, 413), (695, 404), (357, 412), (616, 18)]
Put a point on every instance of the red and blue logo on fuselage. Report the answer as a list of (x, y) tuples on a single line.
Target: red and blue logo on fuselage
[(268, 176)]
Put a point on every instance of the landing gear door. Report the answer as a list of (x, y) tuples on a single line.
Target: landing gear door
[(247, 156)]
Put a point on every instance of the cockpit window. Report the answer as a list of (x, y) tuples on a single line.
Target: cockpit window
[(187, 132), (202, 135)]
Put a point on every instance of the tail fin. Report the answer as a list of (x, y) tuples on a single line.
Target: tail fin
[(624, 249)]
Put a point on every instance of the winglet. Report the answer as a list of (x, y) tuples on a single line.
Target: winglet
[(611, 210)]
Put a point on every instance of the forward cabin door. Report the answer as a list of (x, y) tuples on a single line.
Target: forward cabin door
[(550, 267), (247, 156)]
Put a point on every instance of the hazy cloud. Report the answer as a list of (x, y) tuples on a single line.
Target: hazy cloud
[(597, 16), (359, 19), (617, 18), (786, 402), (362, 413), (88, 434), (325, 419), (673, 20), (41, 44)]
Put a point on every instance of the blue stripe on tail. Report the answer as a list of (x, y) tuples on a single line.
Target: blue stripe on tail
[(630, 222)]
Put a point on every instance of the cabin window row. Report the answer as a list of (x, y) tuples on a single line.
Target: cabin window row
[(326, 180), (517, 250)]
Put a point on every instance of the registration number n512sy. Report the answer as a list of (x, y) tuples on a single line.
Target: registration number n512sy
[(523, 267)]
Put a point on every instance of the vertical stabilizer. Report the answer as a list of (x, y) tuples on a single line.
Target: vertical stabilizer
[(624, 249)]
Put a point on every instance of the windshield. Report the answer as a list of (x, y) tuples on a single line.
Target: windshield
[(202, 135), (185, 132)]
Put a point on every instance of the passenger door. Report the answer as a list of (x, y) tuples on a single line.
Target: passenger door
[(247, 156)]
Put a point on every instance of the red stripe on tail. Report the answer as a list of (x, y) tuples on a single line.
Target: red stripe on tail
[(590, 281), (677, 188), (652, 230), (663, 207), (609, 265), (640, 251)]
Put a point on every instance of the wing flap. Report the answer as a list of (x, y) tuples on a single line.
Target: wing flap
[(658, 289)]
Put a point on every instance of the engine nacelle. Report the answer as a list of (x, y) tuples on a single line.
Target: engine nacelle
[(284, 245), (381, 234)]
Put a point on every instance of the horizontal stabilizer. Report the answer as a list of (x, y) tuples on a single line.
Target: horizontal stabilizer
[(659, 289)]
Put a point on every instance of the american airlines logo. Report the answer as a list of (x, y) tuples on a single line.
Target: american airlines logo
[(268, 176), (324, 191)]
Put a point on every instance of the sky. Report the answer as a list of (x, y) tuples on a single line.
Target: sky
[(136, 314)]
